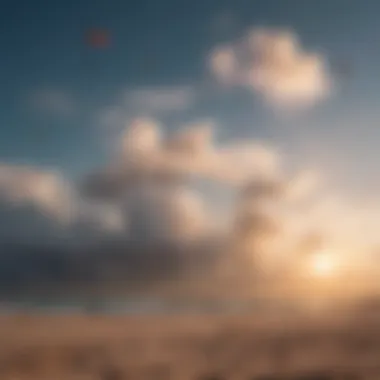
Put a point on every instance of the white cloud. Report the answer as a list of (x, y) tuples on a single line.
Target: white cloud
[(144, 152), (153, 171), (141, 140), (273, 64), (45, 189), (225, 65), (194, 139)]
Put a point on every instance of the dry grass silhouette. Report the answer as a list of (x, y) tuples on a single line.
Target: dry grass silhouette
[(188, 348)]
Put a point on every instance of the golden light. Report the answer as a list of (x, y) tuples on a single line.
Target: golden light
[(322, 264)]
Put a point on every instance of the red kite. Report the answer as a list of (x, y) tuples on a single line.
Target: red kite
[(98, 38)]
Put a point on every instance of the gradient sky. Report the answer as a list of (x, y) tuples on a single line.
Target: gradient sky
[(166, 43), (66, 105)]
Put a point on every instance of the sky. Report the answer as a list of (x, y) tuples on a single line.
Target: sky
[(167, 45), (297, 79)]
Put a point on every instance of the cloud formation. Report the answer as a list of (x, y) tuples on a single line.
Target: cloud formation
[(144, 215), (145, 154), (153, 173), (168, 213), (35, 198), (273, 64), (45, 189)]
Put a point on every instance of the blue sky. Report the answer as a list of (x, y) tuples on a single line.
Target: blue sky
[(166, 44)]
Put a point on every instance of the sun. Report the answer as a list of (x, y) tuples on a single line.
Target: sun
[(322, 264)]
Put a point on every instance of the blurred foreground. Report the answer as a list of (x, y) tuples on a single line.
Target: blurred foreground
[(315, 346)]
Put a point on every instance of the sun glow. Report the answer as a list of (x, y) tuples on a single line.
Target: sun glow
[(322, 264)]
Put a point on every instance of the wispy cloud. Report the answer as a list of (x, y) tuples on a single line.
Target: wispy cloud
[(52, 101), (152, 100)]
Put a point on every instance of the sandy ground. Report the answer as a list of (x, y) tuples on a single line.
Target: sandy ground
[(189, 347)]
